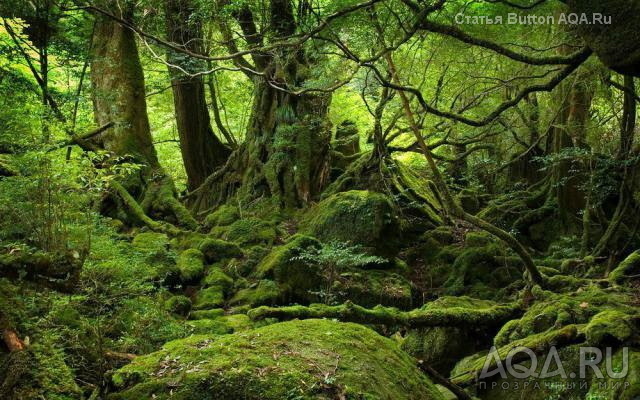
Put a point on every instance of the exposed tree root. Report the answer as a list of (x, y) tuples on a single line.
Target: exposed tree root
[(135, 211), (349, 312), (441, 380)]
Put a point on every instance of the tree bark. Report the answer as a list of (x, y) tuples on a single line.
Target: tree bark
[(202, 151), (119, 92), (119, 97)]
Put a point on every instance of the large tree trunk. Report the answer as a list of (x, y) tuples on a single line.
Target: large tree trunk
[(285, 155), (287, 146), (119, 97), (119, 93), (202, 151)]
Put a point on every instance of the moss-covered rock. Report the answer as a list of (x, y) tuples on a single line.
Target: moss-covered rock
[(611, 327), (482, 272), (295, 276), (215, 250), (558, 310), (627, 388), (215, 276), (211, 297), (207, 314), (356, 217), (225, 215), (369, 288), (313, 359), (191, 266), (265, 292), (250, 231), (180, 305), (206, 326), (442, 347), (151, 242)]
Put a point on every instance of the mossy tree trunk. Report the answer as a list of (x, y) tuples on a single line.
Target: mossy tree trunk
[(202, 151), (568, 133), (118, 91), (287, 139), (285, 155), (119, 98)]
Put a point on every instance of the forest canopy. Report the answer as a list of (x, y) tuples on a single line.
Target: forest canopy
[(283, 199)]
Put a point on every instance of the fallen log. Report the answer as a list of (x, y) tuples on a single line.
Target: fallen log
[(348, 312)]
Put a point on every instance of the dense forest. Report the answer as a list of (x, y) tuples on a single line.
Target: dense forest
[(319, 199)]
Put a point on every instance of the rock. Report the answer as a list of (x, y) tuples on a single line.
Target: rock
[(356, 217), (295, 276), (250, 231), (180, 305), (215, 276), (191, 266), (442, 347), (312, 359), (215, 250), (212, 297), (265, 292)]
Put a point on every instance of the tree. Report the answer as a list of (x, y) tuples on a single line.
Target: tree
[(202, 151), (286, 150), (119, 98)]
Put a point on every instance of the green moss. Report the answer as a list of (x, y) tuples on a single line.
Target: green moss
[(180, 305), (251, 231), (151, 242), (208, 327), (555, 311), (482, 272), (191, 266), (372, 287), (211, 297), (627, 388), (207, 314), (442, 347), (611, 326), (265, 292), (630, 266), (225, 215), (215, 250), (315, 359), (357, 217), (295, 276), (216, 277), (238, 322), (479, 239)]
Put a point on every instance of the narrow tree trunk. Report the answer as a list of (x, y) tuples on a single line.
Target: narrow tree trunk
[(202, 151)]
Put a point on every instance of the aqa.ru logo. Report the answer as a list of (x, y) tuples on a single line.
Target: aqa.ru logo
[(591, 359)]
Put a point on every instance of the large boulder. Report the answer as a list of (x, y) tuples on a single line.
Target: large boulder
[(357, 217), (311, 359), (295, 276)]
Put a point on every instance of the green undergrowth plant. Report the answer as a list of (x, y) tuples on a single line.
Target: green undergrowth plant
[(332, 259)]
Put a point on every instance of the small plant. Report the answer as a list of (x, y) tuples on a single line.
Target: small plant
[(332, 259)]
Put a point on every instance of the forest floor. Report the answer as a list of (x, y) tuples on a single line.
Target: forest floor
[(351, 299)]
